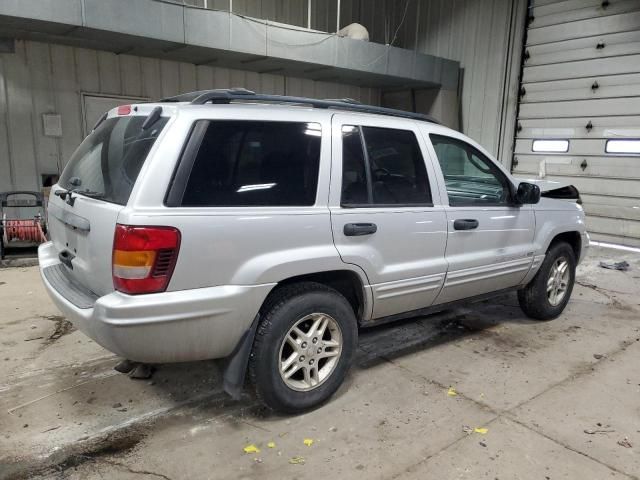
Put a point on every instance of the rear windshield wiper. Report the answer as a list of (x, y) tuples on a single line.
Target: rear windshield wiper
[(90, 193), (67, 195)]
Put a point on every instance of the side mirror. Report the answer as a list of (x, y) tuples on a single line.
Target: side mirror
[(527, 193)]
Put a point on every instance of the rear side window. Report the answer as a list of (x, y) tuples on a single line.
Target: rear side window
[(254, 163), (107, 163), (382, 166)]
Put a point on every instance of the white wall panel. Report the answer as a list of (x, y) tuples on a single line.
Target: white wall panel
[(131, 75), (20, 126), (45, 78), (6, 167)]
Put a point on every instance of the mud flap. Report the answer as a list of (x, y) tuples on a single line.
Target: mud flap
[(236, 364)]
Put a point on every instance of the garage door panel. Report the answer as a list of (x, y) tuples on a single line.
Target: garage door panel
[(595, 186), (621, 228), (575, 108), (612, 201), (616, 239), (581, 69), (612, 211), (584, 92), (542, 9), (586, 53), (584, 43), (579, 10), (625, 22), (594, 148), (603, 167), (581, 82), (539, 3), (601, 127)]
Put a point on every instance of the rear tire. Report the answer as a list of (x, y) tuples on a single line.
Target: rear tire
[(547, 294), (304, 346)]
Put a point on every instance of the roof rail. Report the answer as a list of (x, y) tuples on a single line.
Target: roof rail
[(225, 96)]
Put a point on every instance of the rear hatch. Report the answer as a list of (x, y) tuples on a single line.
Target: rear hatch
[(94, 187)]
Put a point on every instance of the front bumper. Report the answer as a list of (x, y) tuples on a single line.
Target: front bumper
[(175, 326), (584, 244)]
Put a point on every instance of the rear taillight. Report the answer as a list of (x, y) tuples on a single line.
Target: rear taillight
[(144, 258)]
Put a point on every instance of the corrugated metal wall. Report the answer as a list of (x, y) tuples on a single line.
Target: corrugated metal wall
[(44, 78), (477, 34), (485, 36)]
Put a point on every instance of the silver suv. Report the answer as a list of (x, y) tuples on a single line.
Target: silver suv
[(267, 230)]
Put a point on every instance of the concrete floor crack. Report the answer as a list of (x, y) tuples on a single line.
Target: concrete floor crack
[(132, 470)]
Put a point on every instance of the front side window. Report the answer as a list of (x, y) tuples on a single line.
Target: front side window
[(255, 163), (382, 166), (470, 177)]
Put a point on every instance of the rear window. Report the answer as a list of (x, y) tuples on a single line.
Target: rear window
[(107, 163), (254, 163)]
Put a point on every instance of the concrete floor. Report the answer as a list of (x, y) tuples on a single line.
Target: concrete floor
[(559, 399)]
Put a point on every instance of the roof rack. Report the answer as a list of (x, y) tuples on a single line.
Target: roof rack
[(225, 96)]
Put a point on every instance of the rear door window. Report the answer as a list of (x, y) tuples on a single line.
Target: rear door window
[(382, 167), (107, 163), (255, 163)]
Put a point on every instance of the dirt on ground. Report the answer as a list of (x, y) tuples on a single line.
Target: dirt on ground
[(477, 392)]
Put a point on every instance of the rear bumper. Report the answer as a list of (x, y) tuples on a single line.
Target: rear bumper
[(176, 326)]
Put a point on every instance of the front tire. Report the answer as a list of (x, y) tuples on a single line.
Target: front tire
[(304, 346), (547, 294)]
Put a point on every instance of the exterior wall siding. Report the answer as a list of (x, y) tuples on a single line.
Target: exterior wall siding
[(485, 36), (44, 78)]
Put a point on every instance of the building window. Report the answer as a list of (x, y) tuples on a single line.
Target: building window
[(628, 146), (551, 146)]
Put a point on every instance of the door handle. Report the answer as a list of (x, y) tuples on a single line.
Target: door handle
[(465, 224), (358, 229)]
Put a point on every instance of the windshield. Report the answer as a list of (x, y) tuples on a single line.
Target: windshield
[(107, 162)]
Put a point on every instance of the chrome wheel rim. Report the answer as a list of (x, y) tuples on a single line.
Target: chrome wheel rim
[(558, 281), (310, 352)]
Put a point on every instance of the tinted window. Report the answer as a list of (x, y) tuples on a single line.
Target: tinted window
[(392, 172), (248, 163), (470, 177), (107, 162), (355, 186)]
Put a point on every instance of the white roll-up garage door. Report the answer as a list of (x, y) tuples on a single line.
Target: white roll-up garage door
[(581, 83)]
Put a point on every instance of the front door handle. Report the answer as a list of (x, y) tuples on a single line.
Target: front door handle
[(465, 224), (358, 229)]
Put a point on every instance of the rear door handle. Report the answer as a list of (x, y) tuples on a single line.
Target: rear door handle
[(465, 224), (358, 229)]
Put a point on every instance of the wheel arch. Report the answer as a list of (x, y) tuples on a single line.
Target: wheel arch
[(572, 237), (346, 282), (350, 283)]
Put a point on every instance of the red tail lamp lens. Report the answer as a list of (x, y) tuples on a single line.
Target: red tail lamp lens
[(144, 258)]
